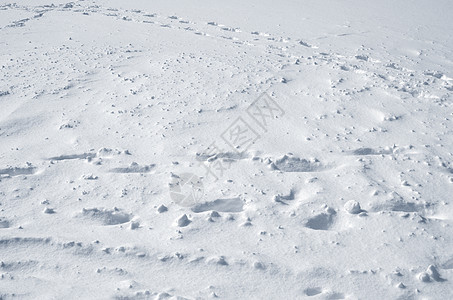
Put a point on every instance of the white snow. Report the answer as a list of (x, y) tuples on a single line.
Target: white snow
[(226, 149)]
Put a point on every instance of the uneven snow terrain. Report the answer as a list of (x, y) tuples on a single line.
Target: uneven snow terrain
[(222, 149)]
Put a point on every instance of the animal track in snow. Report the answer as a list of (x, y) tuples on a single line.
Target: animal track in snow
[(143, 17)]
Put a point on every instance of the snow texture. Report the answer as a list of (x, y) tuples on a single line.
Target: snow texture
[(226, 149)]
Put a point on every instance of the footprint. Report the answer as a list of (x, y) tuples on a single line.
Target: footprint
[(4, 223), (295, 164), (313, 291), (282, 198), (27, 241), (448, 265), (396, 203), (370, 151), (322, 221), (220, 205), (335, 295), (133, 168), (73, 156), (305, 44), (18, 23), (362, 57), (105, 216), (225, 156), (260, 33), (326, 295), (15, 171)]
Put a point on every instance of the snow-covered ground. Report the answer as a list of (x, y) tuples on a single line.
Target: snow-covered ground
[(226, 149)]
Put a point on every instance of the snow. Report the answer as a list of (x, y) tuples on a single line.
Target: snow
[(226, 149)]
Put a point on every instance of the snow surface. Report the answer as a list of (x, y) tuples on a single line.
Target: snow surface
[(226, 149)]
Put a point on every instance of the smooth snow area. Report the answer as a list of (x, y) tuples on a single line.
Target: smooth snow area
[(174, 149)]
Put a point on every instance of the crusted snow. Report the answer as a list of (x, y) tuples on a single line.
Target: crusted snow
[(226, 149)]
